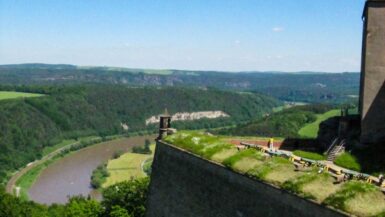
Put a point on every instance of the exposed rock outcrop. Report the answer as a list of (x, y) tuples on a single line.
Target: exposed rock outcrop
[(189, 116)]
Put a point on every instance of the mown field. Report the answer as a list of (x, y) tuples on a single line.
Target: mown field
[(311, 130), (127, 166), (13, 94)]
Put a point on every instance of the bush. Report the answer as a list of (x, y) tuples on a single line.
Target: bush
[(129, 195), (143, 150), (117, 154), (147, 166), (348, 161), (309, 155), (99, 175)]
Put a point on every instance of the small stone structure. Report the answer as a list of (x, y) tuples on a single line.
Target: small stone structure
[(372, 91), (165, 126)]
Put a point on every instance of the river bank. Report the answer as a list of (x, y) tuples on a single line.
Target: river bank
[(26, 176), (70, 175)]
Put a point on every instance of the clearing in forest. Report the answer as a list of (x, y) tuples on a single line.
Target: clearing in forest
[(311, 130), (12, 95)]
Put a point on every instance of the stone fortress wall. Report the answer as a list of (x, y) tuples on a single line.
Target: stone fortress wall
[(183, 185)]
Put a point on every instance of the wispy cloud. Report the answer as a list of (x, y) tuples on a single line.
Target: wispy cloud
[(237, 42), (277, 29)]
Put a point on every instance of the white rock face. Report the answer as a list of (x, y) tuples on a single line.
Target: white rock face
[(124, 126), (189, 116)]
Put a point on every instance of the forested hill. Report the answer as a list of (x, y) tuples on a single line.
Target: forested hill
[(285, 123), (305, 86), (28, 125)]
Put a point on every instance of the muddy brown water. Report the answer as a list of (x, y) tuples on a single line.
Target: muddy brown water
[(71, 175)]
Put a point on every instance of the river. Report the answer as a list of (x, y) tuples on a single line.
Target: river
[(71, 175)]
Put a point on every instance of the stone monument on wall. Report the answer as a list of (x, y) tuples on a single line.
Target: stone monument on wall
[(372, 91)]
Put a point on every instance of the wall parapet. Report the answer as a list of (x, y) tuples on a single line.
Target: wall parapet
[(184, 184)]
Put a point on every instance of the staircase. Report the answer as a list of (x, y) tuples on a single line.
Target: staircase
[(335, 148)]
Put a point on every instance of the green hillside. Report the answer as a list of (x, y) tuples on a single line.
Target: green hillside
[(285, 123), (317, 87), (31, 125), (311, 130)]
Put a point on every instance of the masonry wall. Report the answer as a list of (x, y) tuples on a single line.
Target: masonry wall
[(372, 96), (184, 185)]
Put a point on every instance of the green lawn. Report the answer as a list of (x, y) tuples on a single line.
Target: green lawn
[(309, 155), (127, 166), (13, 95), (348, 161), (311, 130)]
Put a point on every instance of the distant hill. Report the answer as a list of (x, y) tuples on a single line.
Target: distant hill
[(285, 123), (30, 124), (301, 86)]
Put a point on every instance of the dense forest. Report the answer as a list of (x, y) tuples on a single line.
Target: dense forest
[(30, 124), (285, 123), (304, 86)]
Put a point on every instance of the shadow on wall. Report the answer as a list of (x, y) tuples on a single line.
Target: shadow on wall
[(328, 131), (371, 158), (373, 123), (292, 144)]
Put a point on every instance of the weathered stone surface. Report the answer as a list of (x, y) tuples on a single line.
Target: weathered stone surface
[(184, 185), (372, 96)]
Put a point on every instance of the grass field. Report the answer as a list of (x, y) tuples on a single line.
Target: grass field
[(127, 166), (356, 197), (12, 95), (311, 130)]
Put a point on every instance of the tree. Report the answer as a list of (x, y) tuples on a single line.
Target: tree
[(129, 195), (117, 211), (79, 206), (147, 144)]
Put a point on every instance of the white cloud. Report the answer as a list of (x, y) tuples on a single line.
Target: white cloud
[(237, 42), (277, 29)]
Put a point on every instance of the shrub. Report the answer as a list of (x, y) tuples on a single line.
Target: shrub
[(129, 195), (117, 154), (348, 161), (99, 176), (143, 149), (147, 166)]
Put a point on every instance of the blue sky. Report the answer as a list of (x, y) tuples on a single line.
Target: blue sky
[(229, 35)]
